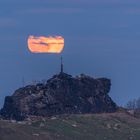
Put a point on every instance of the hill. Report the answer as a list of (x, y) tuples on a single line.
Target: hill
[(105, 126)]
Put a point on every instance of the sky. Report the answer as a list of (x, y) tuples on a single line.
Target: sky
[(102, 39)]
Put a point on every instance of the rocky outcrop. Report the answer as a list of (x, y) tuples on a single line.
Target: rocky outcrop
[(62, 94)]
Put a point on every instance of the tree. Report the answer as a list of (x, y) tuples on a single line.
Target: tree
[(138, 103), (131, 104)]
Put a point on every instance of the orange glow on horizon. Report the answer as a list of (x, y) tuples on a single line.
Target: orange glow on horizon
[(44, 44)]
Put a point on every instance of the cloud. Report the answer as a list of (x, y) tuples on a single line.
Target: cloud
[(91, 1), (51, 10), (7, 22), (133, 11), (68, 6)]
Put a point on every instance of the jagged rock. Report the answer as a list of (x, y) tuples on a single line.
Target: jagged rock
[(62, 94)]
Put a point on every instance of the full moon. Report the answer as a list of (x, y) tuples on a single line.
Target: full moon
[(42, 44)]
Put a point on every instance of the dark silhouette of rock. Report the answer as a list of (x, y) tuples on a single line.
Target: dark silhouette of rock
[(62, 94)]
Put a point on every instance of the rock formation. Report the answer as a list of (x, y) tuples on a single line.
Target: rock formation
[(62, 94)]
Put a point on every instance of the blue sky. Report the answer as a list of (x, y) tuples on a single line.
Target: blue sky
[(101, 39)]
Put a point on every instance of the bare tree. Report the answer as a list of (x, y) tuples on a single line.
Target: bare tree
[(131, 104), (138, 103)]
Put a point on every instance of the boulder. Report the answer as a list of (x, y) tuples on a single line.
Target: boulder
[(62, 94)]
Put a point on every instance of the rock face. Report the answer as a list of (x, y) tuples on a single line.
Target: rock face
[(62, 94)]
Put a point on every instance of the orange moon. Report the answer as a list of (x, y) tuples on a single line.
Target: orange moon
[(44, 44)]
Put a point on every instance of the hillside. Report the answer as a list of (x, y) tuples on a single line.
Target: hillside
[(107, 126)]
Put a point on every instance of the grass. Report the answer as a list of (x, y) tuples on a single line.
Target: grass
[(113, 126)]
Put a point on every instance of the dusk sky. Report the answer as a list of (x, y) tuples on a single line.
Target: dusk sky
[(102, 39)]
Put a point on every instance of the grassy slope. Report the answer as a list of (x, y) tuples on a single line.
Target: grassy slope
[(114, 126)]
